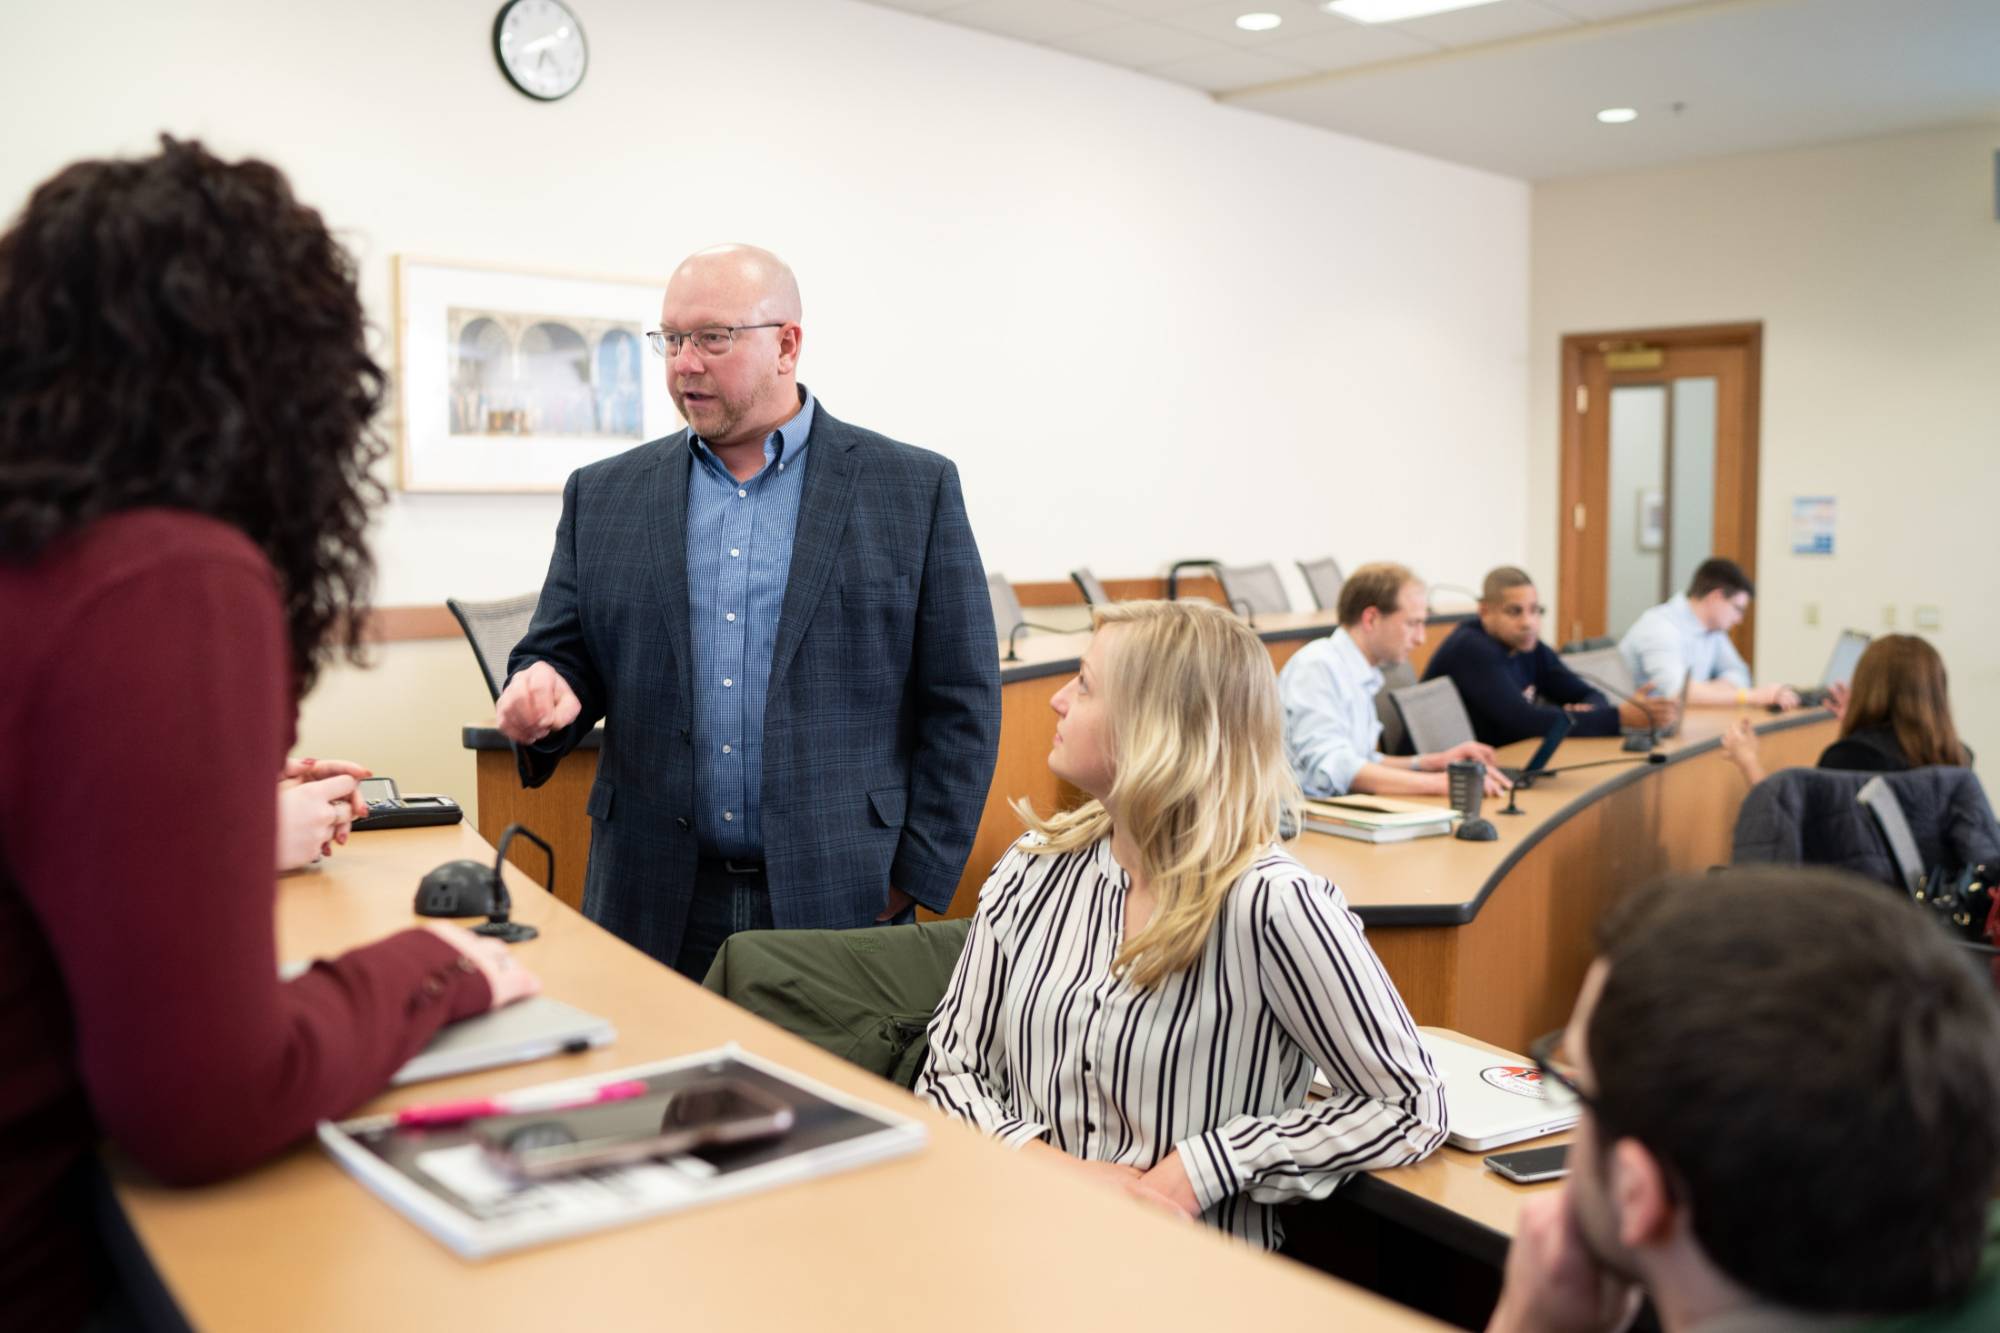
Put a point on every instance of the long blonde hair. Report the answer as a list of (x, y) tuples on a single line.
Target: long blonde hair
[(1197, 736)]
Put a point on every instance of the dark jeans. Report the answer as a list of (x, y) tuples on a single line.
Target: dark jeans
[(723, 904)]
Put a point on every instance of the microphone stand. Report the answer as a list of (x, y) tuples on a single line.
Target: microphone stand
[(498, 924), (1634, 743), (1014, 634)]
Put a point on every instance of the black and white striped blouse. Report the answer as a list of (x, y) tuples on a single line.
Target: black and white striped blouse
[(1035, 1038)]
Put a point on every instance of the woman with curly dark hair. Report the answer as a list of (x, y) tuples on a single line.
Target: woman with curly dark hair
[(185, 399)]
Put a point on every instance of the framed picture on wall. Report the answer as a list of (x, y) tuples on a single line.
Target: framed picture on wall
[(1652, 525), (509, 380)]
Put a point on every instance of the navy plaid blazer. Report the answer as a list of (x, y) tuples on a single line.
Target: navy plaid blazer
[(883, 722)]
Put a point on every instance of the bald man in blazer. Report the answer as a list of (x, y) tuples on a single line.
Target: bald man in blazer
[(783, 621)]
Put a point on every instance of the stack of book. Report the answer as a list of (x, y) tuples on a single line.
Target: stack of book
[(1378, 818)]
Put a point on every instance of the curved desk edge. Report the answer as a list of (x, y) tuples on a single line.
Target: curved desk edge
[(1458, 914), (489, 738)]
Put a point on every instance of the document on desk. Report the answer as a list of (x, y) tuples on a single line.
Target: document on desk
[(1377, 818), (443, 1178)]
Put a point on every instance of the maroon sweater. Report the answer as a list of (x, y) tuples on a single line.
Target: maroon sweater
[(145, 708)]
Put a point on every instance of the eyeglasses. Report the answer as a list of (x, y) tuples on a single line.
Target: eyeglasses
[(1554, 1069), (715, 340)]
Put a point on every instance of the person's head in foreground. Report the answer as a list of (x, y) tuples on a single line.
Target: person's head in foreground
[(1791, 1098)]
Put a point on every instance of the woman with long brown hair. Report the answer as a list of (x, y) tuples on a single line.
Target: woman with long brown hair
[(1151, 979), (1896, 714), (185, 442)]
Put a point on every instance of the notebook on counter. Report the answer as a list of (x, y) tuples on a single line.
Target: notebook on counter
[(1377, 818), (531, 1029), (448, 1181)]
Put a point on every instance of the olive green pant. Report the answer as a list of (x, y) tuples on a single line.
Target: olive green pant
[(864, 995)]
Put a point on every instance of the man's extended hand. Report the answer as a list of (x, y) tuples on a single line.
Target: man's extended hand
[(1647, 709), (1437, 762), (1553, 1283), (536, 702)]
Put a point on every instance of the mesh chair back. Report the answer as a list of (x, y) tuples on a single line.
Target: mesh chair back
[(493, 628), (1605, 664), (1588, 645), (1006, 606), (1879, 800), (1255, 588), (1323, 580), (1433, 715), (1395, 736), (1091, 587)]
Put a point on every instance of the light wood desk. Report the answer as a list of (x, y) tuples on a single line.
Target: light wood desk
[(965, 1232)]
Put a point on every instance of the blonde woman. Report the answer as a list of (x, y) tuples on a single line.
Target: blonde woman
[(1150, 979)]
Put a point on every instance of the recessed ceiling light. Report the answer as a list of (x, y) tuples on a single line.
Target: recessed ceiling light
[(1617, 115), (1394, 11), (1259, 22)]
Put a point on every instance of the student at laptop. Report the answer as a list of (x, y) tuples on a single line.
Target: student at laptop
[(1150, 979), (1895, 715), (1790, 1084), (1685, 640), (1514, 686), (1328, 689)]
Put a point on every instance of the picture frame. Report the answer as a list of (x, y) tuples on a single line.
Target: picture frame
[(508, 380), (1652, 524)]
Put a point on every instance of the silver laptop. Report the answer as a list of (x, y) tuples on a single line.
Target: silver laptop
[(1847, 650), (1493, 1099)]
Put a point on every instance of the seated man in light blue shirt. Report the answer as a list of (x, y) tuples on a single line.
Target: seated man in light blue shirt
[(1687, 639), (1329, 686)]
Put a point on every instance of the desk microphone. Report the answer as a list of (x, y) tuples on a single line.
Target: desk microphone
[(1467, 778), (1634, 742), (468, 888)]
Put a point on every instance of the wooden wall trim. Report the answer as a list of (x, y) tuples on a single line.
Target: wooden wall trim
[(403, 624), (1064, 593)]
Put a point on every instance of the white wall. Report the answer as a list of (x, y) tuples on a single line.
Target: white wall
[(1875, 268), (1144, 325)]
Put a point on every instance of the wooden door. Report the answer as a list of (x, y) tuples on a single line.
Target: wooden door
[(1595, 365)]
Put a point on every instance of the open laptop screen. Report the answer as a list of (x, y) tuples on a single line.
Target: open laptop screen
[(1847, 650)]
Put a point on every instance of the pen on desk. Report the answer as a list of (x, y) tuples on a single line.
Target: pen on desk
[(518, 1103)]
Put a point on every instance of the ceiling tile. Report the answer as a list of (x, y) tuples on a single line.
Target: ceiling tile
[(1360, 45), (1486, 23), (1600, 11), (1153, 9), (1137, 45), (1218, 21), (1031, 20), (1229, 69)]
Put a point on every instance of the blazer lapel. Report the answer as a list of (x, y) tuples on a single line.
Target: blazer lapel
[(823, 506), (668, 526)]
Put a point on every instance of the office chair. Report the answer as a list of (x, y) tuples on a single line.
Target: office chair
[(1434, 717), (1323, 580), (1600, 664), (1253, 588), (1590, 645), (1007, 618), (493, 628), (1090, 586), (1395, 737)]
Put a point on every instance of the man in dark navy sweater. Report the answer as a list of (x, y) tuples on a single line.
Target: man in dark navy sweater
[(1514, 686)]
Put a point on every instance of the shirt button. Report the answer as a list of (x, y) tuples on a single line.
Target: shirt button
[(727, 816), (734, 552), (725, 749), (727, 682), (781, 467), (742, 495), (729, 615), (1090, 1126)]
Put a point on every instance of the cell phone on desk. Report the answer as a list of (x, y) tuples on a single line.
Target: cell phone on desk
[(1532, 1164), (717, 1113), (389, 808)]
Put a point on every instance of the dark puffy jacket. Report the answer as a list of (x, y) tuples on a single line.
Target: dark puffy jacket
[(1810, 815)]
